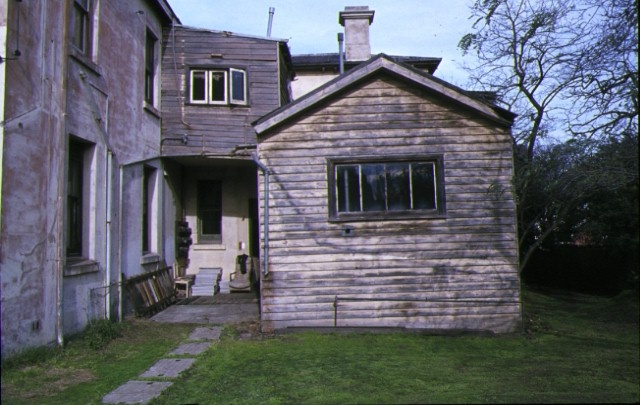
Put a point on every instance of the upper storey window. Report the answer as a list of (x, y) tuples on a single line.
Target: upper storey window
[(150, 67), (82, 26), (218, 86)]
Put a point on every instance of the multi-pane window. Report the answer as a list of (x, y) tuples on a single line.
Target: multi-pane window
[(361, 189), (218, 86), (149, 66), (75, 181), (209, 211), (82, 25)]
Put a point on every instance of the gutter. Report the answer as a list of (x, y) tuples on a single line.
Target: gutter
[(265, 170)]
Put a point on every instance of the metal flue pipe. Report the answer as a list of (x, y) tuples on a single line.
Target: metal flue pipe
[(272, 10)]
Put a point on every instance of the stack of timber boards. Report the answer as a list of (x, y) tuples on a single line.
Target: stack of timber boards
[(151, 291), (207, 282)]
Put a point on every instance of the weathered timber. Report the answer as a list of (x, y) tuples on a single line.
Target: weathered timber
[(217, 129), (457, 271)]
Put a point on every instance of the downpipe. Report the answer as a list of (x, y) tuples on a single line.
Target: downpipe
[(265, 170)]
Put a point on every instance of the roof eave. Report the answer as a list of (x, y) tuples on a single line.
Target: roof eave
[(380, 62)]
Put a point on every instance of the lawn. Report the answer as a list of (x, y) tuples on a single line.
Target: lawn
[(576, 348)]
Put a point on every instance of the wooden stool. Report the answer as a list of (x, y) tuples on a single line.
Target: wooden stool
[(186, 283)]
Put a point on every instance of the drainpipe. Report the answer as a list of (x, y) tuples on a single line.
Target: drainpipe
[(109, 204), (266, 172), (120, 292), (341, 51), (63, 146)]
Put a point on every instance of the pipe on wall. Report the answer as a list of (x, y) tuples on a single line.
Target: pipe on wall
[(341, 51), (265, 170)]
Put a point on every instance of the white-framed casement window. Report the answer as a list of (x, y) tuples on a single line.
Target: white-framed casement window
[(371, 188), (218, 86)]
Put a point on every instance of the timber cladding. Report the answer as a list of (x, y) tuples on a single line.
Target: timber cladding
[(453, 270), (217, 128)]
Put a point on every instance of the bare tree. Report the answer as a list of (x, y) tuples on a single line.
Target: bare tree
[(604, 101), (559, 66)]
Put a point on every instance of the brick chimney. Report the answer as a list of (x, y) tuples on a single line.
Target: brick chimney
[(356, 21)]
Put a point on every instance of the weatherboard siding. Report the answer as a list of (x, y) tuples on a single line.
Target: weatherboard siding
[(216, 129), (456, 272)]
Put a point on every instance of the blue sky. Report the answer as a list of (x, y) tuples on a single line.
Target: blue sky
[(400, 27)]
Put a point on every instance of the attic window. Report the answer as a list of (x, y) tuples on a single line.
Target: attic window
[(218, 86), (385, 188)]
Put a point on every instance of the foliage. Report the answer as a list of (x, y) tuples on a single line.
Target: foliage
[(100, 332), (566, 67), (579, 192)]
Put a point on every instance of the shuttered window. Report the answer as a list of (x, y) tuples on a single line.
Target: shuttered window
[(385, 188)]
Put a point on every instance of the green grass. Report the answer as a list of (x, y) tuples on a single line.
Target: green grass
[(576, 348), (88, 368)]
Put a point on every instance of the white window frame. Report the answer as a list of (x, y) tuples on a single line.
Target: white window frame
[(210, 74), (244, 87), (228, 86)]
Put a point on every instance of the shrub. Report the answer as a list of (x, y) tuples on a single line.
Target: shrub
[(100, 332)]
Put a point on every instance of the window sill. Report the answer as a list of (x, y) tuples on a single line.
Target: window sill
[(385, 217), (152, 110), (150, 258), (77, 266), (211, 246), (84, 60), (229, 105)]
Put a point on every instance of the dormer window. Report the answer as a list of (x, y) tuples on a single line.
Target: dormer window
[(218, 86)]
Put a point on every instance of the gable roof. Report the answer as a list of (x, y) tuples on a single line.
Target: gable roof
[(383, 64)]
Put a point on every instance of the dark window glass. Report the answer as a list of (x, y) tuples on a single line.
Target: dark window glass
[(398, 187), (147, 198), (149, 72), (74, 199), (218, 87), (423, 185), (373, 187), (198, 86), (237, 86), (81, 25), (210, 211), (348, 188)]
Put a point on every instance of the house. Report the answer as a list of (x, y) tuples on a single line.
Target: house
[(214, 84), (354, 47), (84, 202), (388, 203)]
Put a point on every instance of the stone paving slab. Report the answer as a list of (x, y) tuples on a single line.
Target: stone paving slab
[(212, 333), (191, 348), (168, 368), (135, 392), (209, 314)]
